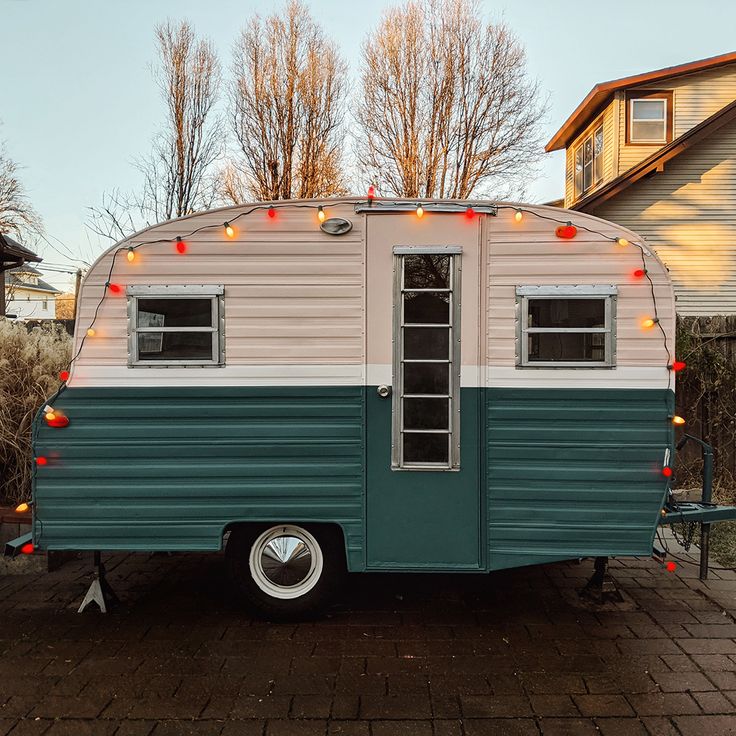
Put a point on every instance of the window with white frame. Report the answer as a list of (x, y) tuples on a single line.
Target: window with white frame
[(175, 325), (426, 408), (589, 161), (566, 326), (649, 117)]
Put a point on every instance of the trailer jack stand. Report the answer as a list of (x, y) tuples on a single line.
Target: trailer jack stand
[(601, 588), (99, 591)]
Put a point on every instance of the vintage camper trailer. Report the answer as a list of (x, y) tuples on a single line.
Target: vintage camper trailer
[(365, 385)]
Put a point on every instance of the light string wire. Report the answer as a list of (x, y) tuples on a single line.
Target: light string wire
[(272, 206)]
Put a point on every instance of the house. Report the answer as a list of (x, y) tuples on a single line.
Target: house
[(12, 255), (27, 296), (656, 152)]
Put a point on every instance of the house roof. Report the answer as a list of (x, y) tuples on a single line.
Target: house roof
[(659, 158), (602, 92), (12, 253), (12, 281)]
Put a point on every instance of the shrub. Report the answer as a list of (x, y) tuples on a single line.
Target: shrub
[(30, 362)]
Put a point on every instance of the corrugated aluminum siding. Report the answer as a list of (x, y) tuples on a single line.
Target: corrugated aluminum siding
[(574, 473), (167, 469)]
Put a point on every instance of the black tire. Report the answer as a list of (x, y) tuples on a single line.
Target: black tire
[(296, 568)]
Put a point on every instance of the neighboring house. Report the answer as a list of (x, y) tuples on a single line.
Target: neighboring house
[(27, 296), (12, 255), (656, 152)]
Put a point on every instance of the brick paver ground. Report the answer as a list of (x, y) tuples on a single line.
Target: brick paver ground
[(513, 653)]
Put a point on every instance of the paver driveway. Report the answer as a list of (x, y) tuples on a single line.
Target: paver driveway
[(510, 653)]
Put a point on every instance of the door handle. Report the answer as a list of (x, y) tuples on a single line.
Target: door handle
[(384, 391)]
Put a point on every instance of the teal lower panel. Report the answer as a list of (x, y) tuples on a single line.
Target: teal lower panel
[(169, 469), (574, 472), (546, 474)]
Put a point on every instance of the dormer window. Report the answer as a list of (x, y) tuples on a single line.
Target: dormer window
[(648, 117), (589, 161)]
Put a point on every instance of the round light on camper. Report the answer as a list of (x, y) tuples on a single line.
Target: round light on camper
[(181, 246), (336, 226), (91, 332), (621, 241), (321, 213), (131, 255), (229, 230), (27, 549), (677, 365), (518, 215), (667, 471), (639, 273), (649, 322), (566, 232), (64, 376), (678, 421), (470, 213), (271, 212), (671, 566), (41, 460), (420, 211)]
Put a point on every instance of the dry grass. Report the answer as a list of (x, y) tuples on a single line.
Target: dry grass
[(29, 368)]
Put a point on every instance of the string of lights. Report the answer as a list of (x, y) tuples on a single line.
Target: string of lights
[(565, 230)]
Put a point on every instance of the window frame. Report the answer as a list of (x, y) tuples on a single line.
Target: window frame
[(597, 291), (397, 408), (648, 96), (579, 149), (214, 292)]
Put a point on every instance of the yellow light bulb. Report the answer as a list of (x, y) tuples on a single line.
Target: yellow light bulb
[(621, 241), (321, 214), (420, 211), (229, 230), (131, 255), (21, 508), (50, 415), (648, 323), (518, 216), (679, 421), (91, 332)]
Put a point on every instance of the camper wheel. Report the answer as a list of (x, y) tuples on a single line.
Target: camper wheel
[(287, 571)]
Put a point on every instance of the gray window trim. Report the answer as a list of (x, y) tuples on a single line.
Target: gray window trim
[(397, 418), (214, 292), (603, 291)]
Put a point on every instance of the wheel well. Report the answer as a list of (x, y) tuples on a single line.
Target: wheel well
[(323, 530)]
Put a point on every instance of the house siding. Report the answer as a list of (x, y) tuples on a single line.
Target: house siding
[(695, 98), (688, 214)]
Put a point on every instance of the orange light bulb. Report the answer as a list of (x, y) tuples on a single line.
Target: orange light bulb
[(420, 211), (621, 241), (649, 322), (229, 230), (91, 332), (518, 215), (678, 421), (321, 214), (131, 255), (21, 508)]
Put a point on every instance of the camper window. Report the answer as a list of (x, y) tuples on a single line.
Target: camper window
[(426, 365), (566, 326), (174, 325)]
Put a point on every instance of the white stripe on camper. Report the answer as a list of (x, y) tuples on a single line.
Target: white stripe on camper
[(624, 377)]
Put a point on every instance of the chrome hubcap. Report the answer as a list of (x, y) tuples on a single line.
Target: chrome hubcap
[(286, 560)]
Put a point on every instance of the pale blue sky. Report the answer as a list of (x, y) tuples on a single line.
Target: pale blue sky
[(79, 102)]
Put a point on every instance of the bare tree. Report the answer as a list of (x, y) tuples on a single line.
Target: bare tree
[(287, 108), (17, 216), (178, 176), (447, 108)]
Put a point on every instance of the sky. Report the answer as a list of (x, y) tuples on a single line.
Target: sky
[(79, 103)]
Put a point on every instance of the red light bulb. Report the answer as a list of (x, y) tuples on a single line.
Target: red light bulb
[(671, 566), (371, 193), (115, 288), (27, 548), (64, 376), (566, 232), (640, 273), (470, 213), (271, 212), (667, 471), (181, 246), (678, 365), (41, 460)]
